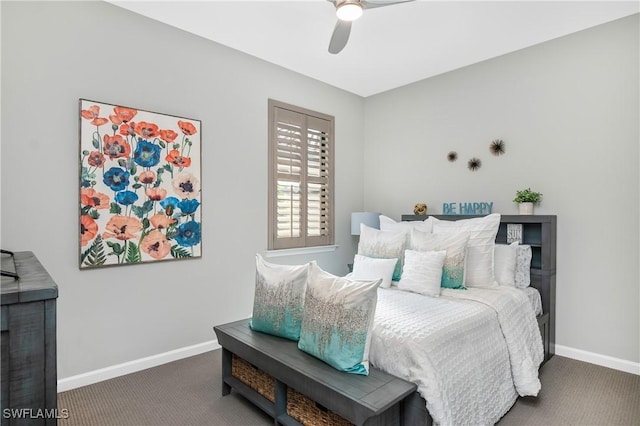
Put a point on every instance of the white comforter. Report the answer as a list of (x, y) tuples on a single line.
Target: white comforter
[(469, 352)]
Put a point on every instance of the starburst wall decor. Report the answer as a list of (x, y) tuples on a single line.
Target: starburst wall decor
[(497, 147), (474, 164), (140, 179)]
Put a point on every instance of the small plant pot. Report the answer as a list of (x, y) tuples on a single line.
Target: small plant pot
[(525, 208)]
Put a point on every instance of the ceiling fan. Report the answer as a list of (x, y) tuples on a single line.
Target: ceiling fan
[(348, 11)]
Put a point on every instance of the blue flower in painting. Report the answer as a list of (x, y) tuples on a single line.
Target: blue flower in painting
[(189, 206), (169, 204), (126, 198), (147, 154), (188, 234), (116, 178)]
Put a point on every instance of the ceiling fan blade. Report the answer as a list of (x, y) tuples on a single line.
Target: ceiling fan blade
[(340, 36), (371, 4)]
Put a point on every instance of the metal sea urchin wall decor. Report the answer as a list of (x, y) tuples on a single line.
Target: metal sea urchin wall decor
[(497, 147)]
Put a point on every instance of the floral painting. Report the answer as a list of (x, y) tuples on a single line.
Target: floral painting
[(140, 197)]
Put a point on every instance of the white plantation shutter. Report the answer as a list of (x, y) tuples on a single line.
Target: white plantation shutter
[(301, 177)]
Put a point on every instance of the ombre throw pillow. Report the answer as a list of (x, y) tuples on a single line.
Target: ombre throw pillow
[(278, 303), (383, 245), (337, 320), (456, 247)]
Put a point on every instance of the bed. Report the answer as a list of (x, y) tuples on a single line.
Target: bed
[(471, 353)]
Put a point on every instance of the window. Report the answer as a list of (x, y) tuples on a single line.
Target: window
[(301, 160)]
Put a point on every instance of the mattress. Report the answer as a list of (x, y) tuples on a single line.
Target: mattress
[(471, 353)]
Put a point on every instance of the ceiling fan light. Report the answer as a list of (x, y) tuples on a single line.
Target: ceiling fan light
[(349, 11)]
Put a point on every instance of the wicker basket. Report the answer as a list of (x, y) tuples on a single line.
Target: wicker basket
[(256, 379), (307, 412)]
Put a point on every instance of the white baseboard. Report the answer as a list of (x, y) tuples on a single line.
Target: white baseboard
[(598, 359), (107, 373)]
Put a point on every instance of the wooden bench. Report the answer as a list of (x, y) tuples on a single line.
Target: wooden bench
[(376, 399)]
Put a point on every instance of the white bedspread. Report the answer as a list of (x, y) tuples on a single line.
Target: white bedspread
[(469, 352)]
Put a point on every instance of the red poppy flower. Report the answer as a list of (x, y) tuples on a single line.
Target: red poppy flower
[(92, 114), (128, 129), (96, 159), (122, 115), (168, 135), (178, 160), (89, 197), (88, 229), (187, 128), (115, 146), (147, 130)]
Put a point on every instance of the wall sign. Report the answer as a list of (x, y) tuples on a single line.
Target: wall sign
[(514, 233), (468, 208)]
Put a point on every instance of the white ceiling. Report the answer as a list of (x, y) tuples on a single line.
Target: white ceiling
[(389, 46)]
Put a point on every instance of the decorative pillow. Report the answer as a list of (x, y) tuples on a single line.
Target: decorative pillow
[(369, 268), (388, 224), (383, 245), (337, 320), (422, 272), (523, 266), (505, 263), (454, 244), (279, 298), (482, 234)]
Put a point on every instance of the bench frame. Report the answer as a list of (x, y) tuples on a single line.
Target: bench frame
[(376, 399)]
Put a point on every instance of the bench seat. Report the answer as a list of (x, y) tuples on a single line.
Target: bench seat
[(376, 399)]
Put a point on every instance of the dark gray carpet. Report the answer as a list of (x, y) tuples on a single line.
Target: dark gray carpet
[(188, 392)]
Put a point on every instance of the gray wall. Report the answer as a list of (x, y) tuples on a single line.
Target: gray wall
[(568, 112), (56, 52)]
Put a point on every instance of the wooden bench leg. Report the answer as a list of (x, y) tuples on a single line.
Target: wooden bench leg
[(226, 371)]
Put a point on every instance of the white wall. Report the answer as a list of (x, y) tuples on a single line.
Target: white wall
[(568, 112), (54, 53)]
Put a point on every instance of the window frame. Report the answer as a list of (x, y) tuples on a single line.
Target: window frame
[(303, 240)]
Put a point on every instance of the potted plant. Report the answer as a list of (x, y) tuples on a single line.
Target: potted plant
[(526, 198)]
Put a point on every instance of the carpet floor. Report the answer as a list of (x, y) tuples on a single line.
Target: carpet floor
[(188, 392)]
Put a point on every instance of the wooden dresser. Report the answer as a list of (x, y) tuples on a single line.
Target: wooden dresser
[(29, 378)]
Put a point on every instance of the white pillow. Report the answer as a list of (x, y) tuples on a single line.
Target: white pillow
[(482, 234), (456, 248), (383, 245), (369, 268), (505, 263), (388, 224), (422, 272), (523, 266)]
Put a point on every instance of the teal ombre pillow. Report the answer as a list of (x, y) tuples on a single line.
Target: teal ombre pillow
[(337, 320), (456, 247), (278, 303), (383, 245)]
